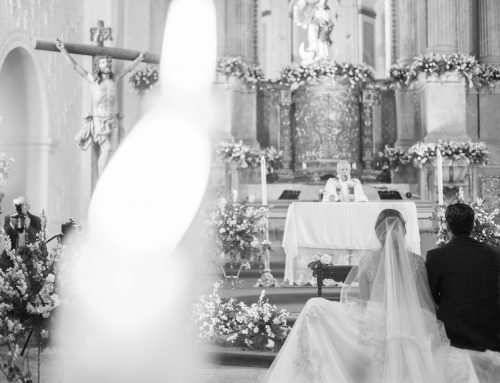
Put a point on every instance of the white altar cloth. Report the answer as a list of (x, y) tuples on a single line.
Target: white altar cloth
[(346, 229)]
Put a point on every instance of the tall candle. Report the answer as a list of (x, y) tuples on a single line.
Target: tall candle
[(263, 172), (439, 165)]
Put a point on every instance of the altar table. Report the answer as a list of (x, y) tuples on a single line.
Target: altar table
[(344, 230)]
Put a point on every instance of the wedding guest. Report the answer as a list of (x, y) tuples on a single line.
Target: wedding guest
[(464, 281), (338, 189), (22, 226)]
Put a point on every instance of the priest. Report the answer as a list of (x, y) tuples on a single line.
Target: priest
[(343, 188)]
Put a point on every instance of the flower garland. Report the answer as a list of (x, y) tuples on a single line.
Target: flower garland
[(475, 74), (420, 153), (5, 169), (144, 80), (354, 75), (485, 230), (235, 67), (28, 298), (236, 228), (474, 152), (244, 156), (260, 326)]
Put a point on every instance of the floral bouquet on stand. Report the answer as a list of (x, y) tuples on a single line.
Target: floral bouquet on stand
[(28, 298), (237, 231), (485, 230)]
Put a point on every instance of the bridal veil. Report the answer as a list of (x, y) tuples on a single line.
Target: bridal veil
[(383, 330)]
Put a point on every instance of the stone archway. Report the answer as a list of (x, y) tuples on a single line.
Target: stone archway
[(23, 128)]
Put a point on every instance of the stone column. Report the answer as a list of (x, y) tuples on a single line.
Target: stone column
[(466, 27), (285, 135), (407, 30), (489, 31), (241, 29), (441, 26), (244, 114), (408, 117)]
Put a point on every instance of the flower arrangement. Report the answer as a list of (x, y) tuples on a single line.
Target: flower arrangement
[(236, 229), (394, 158), (402, 75), (479, 75), (273, 158), (260, 326), (215, 318), (263, 326), (485, 229), (5, 169), (355, 75), (437, 64), (487, 75), (237, 68), (320, 263), (244, 156), (420, 153), (28, 298), (473, 152), (239, 154), (144, 80)]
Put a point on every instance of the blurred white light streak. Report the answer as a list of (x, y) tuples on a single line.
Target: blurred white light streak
[(130, 296)]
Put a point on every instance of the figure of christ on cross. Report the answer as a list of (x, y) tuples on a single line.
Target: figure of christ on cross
[(102, 127)]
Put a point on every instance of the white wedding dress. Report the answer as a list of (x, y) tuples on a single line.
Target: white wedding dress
[(384, 329)]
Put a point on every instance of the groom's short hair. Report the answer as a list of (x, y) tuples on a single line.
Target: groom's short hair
[(460, 218)]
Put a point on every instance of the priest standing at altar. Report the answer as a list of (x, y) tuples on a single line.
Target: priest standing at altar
[(343, 188)]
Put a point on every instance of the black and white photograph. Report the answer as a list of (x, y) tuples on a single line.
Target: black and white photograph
[(250, 191)]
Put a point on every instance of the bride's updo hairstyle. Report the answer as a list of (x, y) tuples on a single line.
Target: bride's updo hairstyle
[(385, 218)]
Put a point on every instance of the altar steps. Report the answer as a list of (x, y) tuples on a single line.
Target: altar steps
[(287, 297)]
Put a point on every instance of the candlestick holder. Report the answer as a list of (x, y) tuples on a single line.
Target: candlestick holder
[(266, 278)]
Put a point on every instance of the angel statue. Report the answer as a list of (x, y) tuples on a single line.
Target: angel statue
[(315, 16), (103, 126)]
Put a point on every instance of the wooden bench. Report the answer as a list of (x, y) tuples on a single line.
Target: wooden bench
[(337, 273)]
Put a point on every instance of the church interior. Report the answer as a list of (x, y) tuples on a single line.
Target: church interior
[(402, 96)]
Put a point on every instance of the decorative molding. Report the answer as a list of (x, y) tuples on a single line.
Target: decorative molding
[(47, 143), (255, 34)]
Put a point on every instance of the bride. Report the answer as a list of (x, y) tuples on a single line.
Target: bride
[(383, 330)]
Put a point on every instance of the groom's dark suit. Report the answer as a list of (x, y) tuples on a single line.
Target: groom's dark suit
[(464, 277)]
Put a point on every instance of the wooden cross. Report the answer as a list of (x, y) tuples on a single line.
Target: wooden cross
[(100, 33)]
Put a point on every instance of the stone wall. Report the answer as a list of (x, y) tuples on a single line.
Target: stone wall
[(48, 143), (50, 169)]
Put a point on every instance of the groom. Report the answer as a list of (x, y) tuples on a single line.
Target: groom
[(464, 277)]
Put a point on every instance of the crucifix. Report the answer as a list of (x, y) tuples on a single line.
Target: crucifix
[(101, 129)]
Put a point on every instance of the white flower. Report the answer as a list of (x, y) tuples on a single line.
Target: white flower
[(317, 257), (326, 259), (270, 344)]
